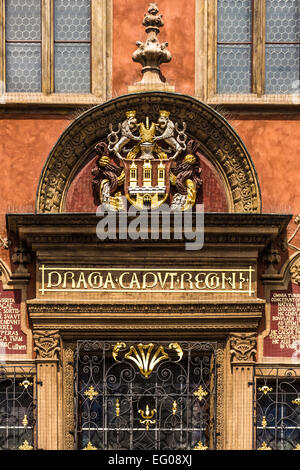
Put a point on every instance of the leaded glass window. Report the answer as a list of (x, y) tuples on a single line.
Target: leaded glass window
[(72, 47), (282, 45), (277, 409), (234, 46), (23, 45), (145, 396)]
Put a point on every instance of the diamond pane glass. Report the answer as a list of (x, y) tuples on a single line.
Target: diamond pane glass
[(282, 68), (23, 20), (282, 21), (72, 20), (234, 20), (23, 67), (72, 68), (234, 69)]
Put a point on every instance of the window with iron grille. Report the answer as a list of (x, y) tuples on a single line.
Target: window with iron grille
[(17, 407), (144, 396), (277, 409)]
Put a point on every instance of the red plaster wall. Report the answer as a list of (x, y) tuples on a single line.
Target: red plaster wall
[(178, 31), (274, 146), (24, 147)]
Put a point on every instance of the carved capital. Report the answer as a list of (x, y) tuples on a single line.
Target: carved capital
[(47, 344), (243, 347)]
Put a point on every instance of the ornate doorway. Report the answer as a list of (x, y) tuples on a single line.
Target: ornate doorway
[(145, 396)]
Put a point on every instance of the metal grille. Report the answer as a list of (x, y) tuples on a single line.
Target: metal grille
[(277, 408), (135, 396), (234, 48), (18, 407)]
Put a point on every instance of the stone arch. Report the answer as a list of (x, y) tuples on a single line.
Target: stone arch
[(218, 142)]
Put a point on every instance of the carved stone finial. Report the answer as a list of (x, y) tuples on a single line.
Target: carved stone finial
[(47, 344), (243, 347), (151, 54)]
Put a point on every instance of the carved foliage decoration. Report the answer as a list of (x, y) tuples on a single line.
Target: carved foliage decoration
[(217, 141), (295, 272), (47, 344), (243, 347)]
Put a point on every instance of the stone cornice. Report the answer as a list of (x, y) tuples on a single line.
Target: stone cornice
[(219, 318), (220, 228)]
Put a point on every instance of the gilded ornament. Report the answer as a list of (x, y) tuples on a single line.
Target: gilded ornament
[(147, 417), (265, 389), (25, 421), (26, 383), (297, 447), (264, 422), (178, 349), (200, 393), (90, 446), (146, 362), (118, 407), (296, 401), (25, 446), (116, 350), (200, 446), (91, 393), (144, 168), (174, 407), (264, 446)]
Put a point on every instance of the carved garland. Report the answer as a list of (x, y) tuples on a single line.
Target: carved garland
[(217, 140)]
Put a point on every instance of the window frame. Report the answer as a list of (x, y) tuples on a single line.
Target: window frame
[(101, 34), (206, 59)]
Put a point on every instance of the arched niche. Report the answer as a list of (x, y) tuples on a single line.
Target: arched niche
[(219, 144)]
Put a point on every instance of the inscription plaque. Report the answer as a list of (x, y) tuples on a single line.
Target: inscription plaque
[(12, 339), (90, 279), (284, 336)]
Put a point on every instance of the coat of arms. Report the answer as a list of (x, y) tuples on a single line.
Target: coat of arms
[(148, 163)]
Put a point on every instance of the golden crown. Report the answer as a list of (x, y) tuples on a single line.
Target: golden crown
[(130, 114), (164, 113)]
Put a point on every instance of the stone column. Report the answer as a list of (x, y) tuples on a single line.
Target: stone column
[(47, 346), (242, 350)]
